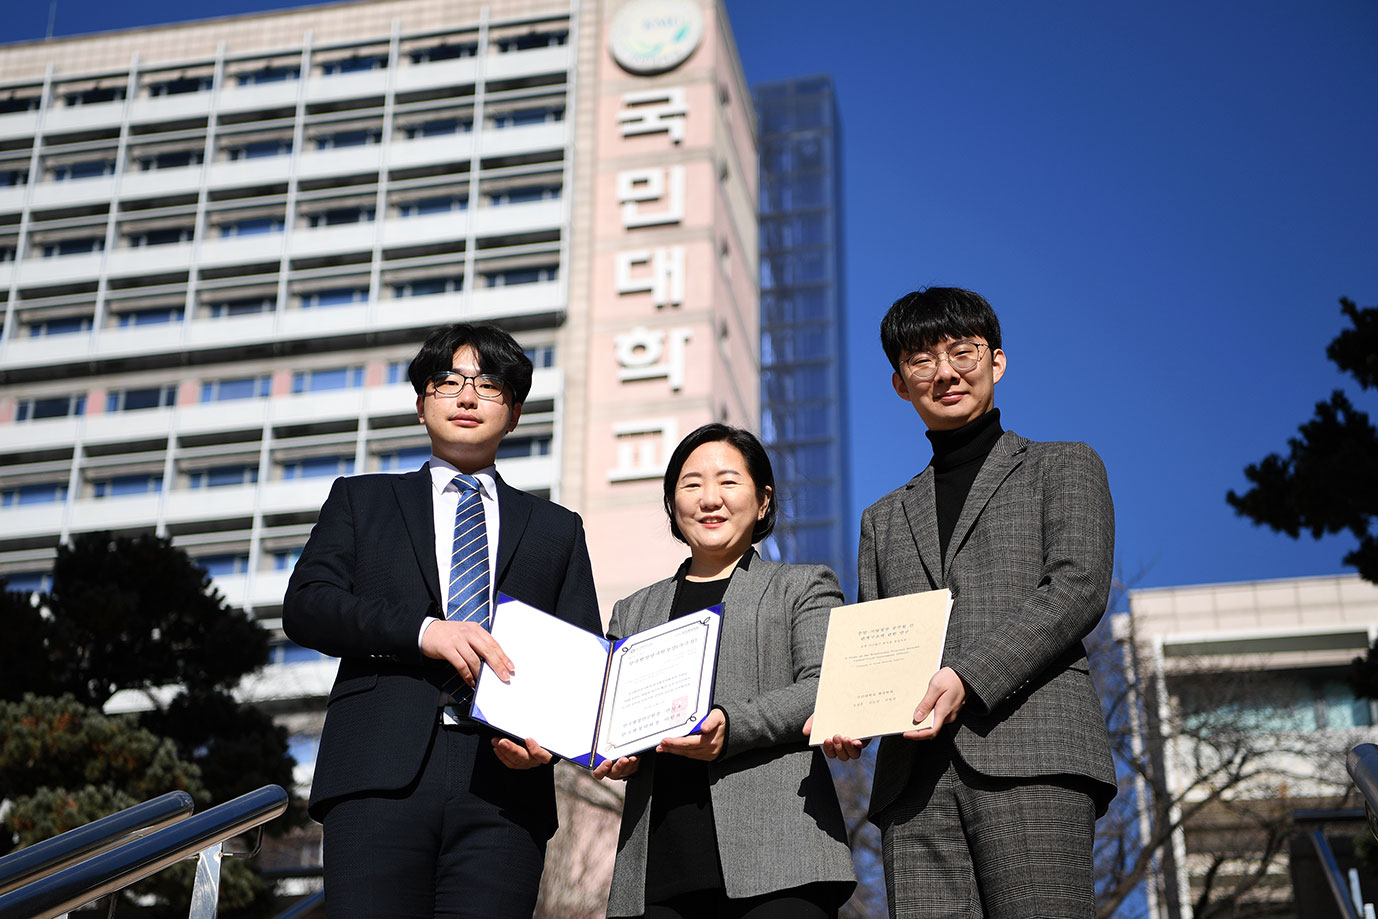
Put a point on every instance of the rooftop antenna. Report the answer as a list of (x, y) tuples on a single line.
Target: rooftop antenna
[(52, 18)]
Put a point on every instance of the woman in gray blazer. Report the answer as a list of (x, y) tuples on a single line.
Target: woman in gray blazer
[(740, 820)]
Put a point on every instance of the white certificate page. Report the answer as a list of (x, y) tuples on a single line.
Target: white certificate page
[(555, 692), (660, 684)]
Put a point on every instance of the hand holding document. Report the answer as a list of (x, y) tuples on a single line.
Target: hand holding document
[(877, 663), (588, 699)]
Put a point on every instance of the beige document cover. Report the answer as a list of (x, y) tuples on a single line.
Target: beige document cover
[(877, 663)]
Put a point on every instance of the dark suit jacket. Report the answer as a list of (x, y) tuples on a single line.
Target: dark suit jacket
[(1029, 566), (366, 579)]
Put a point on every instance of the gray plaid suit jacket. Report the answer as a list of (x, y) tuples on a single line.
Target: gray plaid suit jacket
[(1029, 566), (776, 811)]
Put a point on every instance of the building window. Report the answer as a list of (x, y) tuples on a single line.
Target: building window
[(286, 560), (341, 215), (267, 75), (95, 96), (37, 493), (77, 246), (161, 315), (125, 485), (425, 287), (806, 462), (335, 296), (807, 543), (518, 117), (341, 139), (541, 356), (403, 460), (513, 447), (255, 226), (245, 306), (514, 276), (445, 52), (533, 40), (325, 380), (28, 581), (164, 237), (133, 400), (316, 467), (224, 476), (219, 566), (288, 652), (440, 205), (440, 127), (173, 159), (238, 388), (524, 193), (65, 325), (397, 372), (1272, 702), (18, 104), (12, 177), (52, 407), (180, 86), (86, 169), (261, 148), (354, 64)]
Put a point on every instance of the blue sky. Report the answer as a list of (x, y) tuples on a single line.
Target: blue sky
[(1163, 201)]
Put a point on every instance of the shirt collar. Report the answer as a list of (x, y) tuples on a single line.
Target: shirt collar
[(443, 473)]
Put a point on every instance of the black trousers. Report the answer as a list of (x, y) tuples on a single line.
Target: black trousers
[(441, 847)]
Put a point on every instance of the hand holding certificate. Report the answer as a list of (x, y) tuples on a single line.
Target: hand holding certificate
[(589, 699), (877, 663)]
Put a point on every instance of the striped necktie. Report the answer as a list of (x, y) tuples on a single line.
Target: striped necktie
[(468, 600), (468, 594)]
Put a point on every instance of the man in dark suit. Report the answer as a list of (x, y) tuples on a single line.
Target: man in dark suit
[(990, 811), (425, 813)]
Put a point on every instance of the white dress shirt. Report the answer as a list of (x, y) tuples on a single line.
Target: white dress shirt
[(444, 503)]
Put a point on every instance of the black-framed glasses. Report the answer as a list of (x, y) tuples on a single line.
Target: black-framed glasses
[(962, 356), (451, 383)]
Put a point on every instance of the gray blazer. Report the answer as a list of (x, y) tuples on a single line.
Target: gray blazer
[(1029, 565), (778, 821)]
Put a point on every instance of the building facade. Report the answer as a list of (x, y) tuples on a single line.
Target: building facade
[(1249, 717), (803, 348), (222, 241)]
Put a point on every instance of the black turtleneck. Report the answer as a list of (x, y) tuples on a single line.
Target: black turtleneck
[(957, 457)]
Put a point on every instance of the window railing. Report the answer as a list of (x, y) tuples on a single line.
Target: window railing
[(201, 835)]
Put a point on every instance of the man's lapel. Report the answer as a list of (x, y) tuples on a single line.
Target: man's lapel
[(921, 510), (414, 499), (1004, 458), (514, 510)]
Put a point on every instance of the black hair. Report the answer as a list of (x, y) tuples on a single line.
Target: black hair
[(920, 319), (757, 466), (498, 354)]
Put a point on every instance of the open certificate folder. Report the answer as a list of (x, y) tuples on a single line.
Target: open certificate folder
[(877, 662), (588, 699)]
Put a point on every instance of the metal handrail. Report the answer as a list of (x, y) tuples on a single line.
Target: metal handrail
[(1362, 763), (52, 855), (135, 860)]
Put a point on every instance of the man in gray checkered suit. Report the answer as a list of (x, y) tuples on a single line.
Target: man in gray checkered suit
[(991, 811)]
